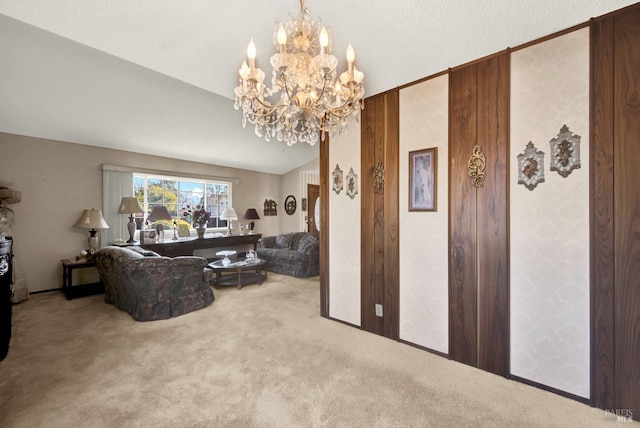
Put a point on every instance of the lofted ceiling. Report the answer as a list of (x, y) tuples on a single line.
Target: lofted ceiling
[(157, 76)]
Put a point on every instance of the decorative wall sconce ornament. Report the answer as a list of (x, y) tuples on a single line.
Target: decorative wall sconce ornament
[(290, 204), (337, 180), (270, 207), (565, 152), (476, 165), (378, 178), (352, 184), (531, 167)]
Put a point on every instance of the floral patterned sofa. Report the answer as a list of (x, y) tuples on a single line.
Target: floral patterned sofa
[(295, 254), (150, 287)]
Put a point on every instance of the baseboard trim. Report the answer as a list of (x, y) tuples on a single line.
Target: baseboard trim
[(424, 348), (552, 389), (45, 291), (344, 322)]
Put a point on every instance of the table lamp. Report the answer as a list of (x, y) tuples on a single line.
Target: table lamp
[(251, 214), (92, 220), (229, 214), (130, 205), (160, 213)]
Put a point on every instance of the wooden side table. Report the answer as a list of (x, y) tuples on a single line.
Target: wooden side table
[(71, 291)]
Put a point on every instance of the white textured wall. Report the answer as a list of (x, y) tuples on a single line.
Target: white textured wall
[(424, 303), (344, 233), (550, 225)]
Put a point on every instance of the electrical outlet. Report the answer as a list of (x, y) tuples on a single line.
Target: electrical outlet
[(378, 310)]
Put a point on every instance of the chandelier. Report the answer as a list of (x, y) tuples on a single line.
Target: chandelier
[(307, 98)]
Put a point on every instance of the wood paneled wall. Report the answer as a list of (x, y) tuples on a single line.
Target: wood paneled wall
[(380, 217), (479, 241), (615, 212), (479, 261)]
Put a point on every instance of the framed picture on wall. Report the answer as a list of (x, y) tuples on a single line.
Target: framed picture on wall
[(423, 174)]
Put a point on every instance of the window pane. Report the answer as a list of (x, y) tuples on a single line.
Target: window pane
[(170, 193), (154, 191), (178, 195)]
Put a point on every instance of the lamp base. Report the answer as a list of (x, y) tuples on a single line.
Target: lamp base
[(93, 241), (132, 230)]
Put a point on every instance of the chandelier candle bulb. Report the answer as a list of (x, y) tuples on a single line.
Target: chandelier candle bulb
[(351, 56), (282, 38), (324, 41), (251, 54)]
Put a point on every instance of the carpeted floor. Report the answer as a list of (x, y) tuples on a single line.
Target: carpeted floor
[(258, 357)]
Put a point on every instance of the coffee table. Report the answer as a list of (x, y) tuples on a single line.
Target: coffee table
[(239, 272)]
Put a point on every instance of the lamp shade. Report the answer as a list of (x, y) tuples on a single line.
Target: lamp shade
[(159, 212), (91, 219), (130, 205), (251, 214), (229, 214)]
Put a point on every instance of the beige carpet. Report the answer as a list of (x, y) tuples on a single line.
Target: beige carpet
[(258, 357)]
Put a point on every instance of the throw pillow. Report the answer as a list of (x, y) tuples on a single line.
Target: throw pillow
[(282, 241)]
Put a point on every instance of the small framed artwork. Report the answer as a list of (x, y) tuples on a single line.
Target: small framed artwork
[(148, 236), (423, 174)]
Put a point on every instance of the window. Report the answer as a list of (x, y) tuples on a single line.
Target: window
[(179, 194)]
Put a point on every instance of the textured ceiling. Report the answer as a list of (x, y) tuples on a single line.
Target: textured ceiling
[(203, 42)]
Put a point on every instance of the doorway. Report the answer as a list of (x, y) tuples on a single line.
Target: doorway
[(313, 198)]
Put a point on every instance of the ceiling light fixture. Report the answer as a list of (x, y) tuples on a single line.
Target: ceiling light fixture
[(306, 99)]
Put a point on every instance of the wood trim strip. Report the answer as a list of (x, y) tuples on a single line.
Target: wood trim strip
[(324, 227), (601, 215), (367, 216), (493, 250), (392, 216), (626, 209), (462, 218)]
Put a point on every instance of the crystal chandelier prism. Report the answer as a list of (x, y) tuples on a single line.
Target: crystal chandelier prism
[(307, 98)]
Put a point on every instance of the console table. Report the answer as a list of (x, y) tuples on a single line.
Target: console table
[(186, 246)]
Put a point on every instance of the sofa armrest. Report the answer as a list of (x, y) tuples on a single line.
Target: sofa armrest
[(309, 245), (267, 242)]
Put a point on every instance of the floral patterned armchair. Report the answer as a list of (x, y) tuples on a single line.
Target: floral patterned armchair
[(150, 287)]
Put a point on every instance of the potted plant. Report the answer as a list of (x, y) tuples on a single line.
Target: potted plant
[(198, 217)]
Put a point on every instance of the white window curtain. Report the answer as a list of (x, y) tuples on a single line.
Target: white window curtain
[(115, 185)]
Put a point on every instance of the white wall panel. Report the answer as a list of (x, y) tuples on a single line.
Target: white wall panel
[(344, 234), (424, 315), (550, 225)]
